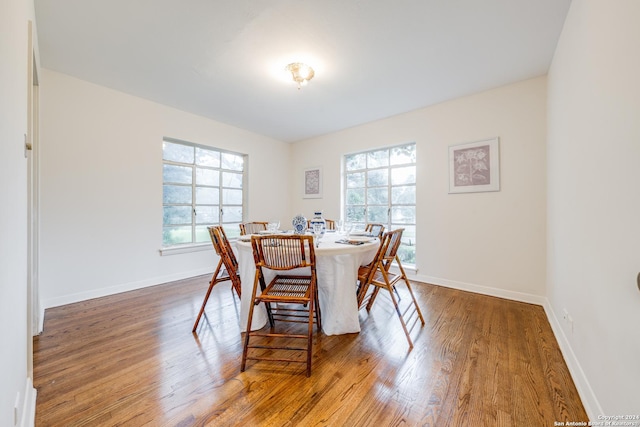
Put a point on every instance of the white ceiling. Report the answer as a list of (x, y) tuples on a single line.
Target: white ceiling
[(373, 58)]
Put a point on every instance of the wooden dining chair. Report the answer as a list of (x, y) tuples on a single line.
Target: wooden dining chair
[(377, 275), (252, 227), (227, 269), (280, 254), (374, 229)]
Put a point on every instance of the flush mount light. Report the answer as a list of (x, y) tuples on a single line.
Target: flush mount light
[(301, 73)]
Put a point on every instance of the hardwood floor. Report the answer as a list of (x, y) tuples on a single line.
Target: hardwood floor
[(131, 360)]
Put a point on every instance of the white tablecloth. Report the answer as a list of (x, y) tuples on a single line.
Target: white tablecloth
[(337, 269)]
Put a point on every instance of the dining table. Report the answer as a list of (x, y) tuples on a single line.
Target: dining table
[(338, 257)]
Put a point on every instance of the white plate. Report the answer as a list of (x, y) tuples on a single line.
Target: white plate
[(360, 233), (359, 239), (269, 232)]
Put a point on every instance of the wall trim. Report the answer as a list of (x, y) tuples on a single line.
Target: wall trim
[(480, 289), (588, 397), (28, 415), (124, 287)]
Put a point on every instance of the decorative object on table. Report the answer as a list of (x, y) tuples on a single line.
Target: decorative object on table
[(474, 167), (319, 220), (299, 224), (313, 183), (351, 242)]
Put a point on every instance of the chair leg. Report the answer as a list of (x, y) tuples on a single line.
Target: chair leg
[(310, 336), (267, 305), (272, 322), (415, 301), (406, 281), (245, 347), (404, 325), (212, 283), (236, 290), (317, 310), (374, 294), (361, 293)]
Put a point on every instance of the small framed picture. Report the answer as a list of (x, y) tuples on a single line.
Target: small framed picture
[(313, 183), (474, 167)]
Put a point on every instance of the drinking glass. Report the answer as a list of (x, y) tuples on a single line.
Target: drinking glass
[(273, 225), (317, 232)]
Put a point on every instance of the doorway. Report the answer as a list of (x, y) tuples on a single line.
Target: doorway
[(31, 153)]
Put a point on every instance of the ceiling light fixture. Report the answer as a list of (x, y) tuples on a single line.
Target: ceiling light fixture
[(301, 73)]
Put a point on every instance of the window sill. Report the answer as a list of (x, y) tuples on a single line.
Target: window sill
[(185, 249), (411, 270)]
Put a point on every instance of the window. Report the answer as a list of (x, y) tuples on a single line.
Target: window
[(201, 186), (380, 187)]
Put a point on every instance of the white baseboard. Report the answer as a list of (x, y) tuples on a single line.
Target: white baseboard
[(588, 397), (28, 413), (125, 287), (479, 289)]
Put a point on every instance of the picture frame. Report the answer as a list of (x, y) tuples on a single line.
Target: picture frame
[(474, 166), (312, 183)]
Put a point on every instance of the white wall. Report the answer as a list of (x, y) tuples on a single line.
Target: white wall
[(101, 187), (14, 17), (594, 200), (487, 242)]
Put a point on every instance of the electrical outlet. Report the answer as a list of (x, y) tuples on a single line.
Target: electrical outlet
[(568, 319)]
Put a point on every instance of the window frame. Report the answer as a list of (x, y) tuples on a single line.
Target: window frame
[(407, 241), (230, 226)]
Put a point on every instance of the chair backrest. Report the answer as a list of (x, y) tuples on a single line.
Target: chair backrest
[(225, 251), (216, 240), (375, 229), (284, 252), (223, 247), (252, 227), (387, 251)]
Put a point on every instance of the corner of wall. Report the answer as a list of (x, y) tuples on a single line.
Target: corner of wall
[(27, 415), (588, 397)]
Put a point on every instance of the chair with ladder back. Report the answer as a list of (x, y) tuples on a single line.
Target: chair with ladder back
[(377, 275), (281, 294), (227, 269)]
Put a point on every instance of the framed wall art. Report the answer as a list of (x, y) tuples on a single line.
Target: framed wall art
[(474, 167), (313, 183)]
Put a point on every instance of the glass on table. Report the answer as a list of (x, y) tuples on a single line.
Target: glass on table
[(317, 233), (273, 225)]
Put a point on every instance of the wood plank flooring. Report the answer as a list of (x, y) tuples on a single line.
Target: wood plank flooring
[(131, 360)]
